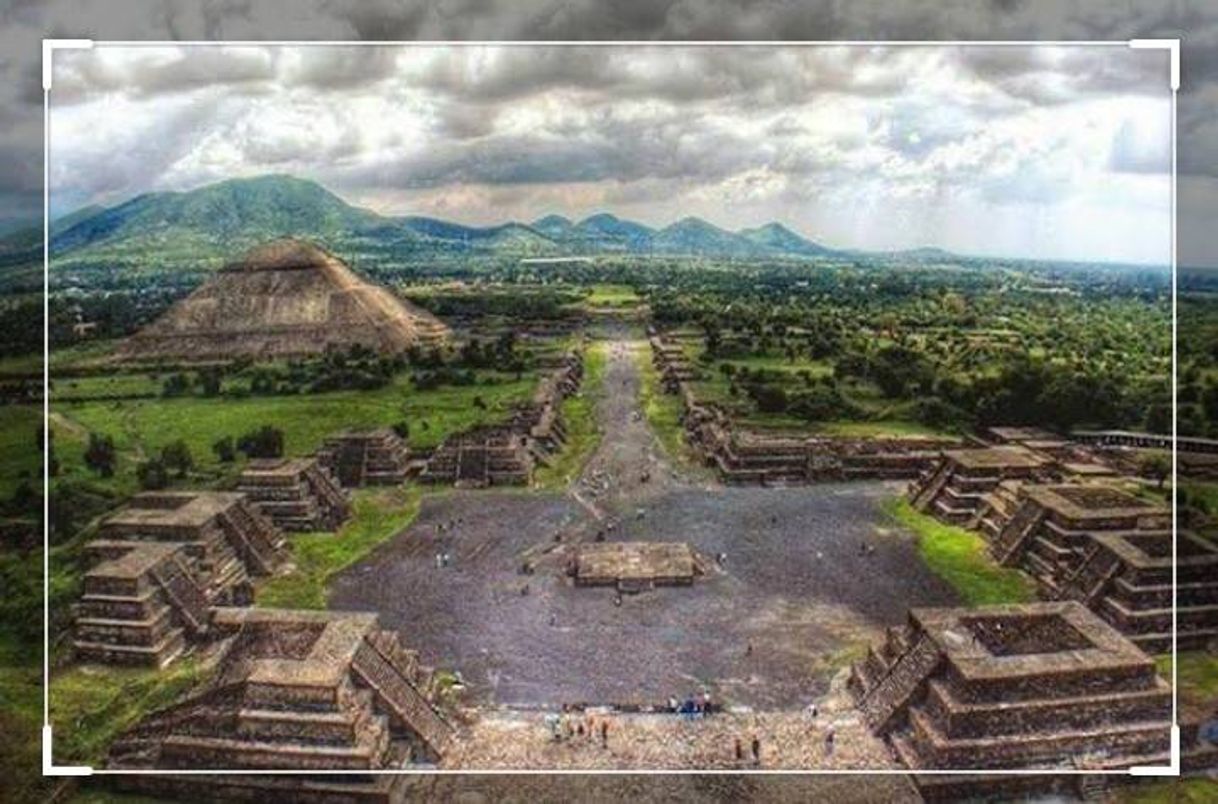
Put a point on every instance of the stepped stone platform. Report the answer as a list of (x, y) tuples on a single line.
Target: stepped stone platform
[(1035, 686), (957, 486), (295, 690), (743, 457), (223, 534), (140, 601), (297, 494), (1126, 577), (670, 360), (481, 457), (358, 458), (506, 454), (634, 566)]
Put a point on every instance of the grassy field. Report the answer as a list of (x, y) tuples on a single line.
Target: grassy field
[(579, 417), (92, 704), (19, 456), (612, 296), (378, 515), (141, 427), (959, 557)]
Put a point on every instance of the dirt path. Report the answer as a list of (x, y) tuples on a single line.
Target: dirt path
[(629, 465)]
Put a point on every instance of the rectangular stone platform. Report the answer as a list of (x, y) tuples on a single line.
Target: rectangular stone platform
[(297, 690), (297, 494), (357, 458), (1038, 685), (634, 566)]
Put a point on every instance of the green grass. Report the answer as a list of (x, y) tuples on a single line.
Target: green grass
[(1172, 791), (960, 557), (378, 515), (1198, 677), (662, 411), (142, 427), (20, 723), (612, 296), (891, 428), (579, 418), (19, 456), (92, 704)]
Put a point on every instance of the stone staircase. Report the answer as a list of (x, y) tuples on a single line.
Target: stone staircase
[(253, 537), (925, 493), (402, 689), (894, 686), (1009, 545)]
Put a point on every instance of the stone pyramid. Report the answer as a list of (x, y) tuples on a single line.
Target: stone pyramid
[(286, 298)]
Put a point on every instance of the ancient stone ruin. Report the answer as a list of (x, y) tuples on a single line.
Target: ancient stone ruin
[(295, 690), (956, 487), (297, 494), (159, 564), (634, 566), (506, 454), (746, 457), (1040, 685), (670, 360), (140, 601), (480, 457), (378, 457), (223, 534), (287, 298)]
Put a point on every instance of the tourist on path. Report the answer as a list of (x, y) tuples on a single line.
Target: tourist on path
[(756, 750), (830, 740), (739, 750), (604, 734)]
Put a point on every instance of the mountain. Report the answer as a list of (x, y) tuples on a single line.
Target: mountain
[(234, 210), (696, 236), (553, 226), (610, 233), (207, 226), (777, 237)]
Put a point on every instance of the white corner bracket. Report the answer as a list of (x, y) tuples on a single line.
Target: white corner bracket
[(1163, 44), (49, 768), (49, 46), (1163, 770)]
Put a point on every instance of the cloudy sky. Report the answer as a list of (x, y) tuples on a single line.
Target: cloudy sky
[(1038, 151), (24, 22)]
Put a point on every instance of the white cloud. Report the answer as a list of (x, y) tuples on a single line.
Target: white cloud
[(870, 148)]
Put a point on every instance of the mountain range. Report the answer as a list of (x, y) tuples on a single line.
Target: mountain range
[(211, 223)]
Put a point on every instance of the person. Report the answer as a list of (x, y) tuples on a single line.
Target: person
[(812, 710), (739, 750), (672, 705), (439, 560), (748, 649), (830, 740), (756, 750), (617, 599), (604, 734)]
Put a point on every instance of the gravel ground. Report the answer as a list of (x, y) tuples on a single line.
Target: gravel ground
[(796, 585)]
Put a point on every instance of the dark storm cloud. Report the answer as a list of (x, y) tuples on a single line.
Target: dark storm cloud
[(80, 75)]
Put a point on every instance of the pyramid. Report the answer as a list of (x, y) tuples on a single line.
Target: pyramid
[(287, 298)]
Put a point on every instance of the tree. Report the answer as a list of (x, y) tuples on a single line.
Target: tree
[(265, 442), (176, 455), (99, 455), (1156, 466), (224, 450), (209, 381), (152, 474)]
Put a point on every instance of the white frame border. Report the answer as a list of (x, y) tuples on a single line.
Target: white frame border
[(49, 768)]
